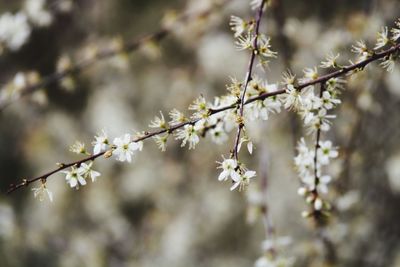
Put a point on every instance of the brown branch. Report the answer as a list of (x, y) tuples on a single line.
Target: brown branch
[(248, 78), (321, 79)]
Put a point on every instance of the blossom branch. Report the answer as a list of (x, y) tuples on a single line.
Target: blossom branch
[(321, 79), (63, 166), (248, 79), (128, 47)]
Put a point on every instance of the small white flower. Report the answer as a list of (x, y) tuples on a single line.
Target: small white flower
[(323, 184), (310, 74), (74, 177), (14, 30), (78, 148), (125, 148), (87, 171), (334, 83), (304, 161), (228, 167), (318, 204), (218, 134), (328, 102), (264, 46), (42, 191), (245, 42), (200, 108), (396, 31), (288, 78), (331, 61), (250, 146), (292, 98), (243, 180), (325, 152), (158, 122), (177, 117), (238, 25), (383, 38), (388, 63), (361, 49), (101, 142), (35, 9), (161, 141), (188, 134)]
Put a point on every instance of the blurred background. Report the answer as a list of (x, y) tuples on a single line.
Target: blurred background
[(168, 208)]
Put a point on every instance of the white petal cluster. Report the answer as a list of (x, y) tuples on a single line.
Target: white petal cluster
[(331, 61), (395, 31), (362, 50), (125, 148), (388, 63), (14, 30), (200, 107), (35, 10), (308, 166), (188, 134), (101, 142), (74, 177), (262, 108), (240, 26), (383, 38), (239, 175), (77, 176), (312, 108), (42, 192)]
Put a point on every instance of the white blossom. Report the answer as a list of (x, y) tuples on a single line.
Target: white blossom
[(75, 177), (388, 63), (383, 38), (331, 61), (78, 148), (396, 31), (14, 30), (325, 152), (200, 108), (87, 171), (161, 141), (243, 180), (101, 142), (310, 74), (125, 148), (35, 9), (218, 134), (318, 203), (188, 134), (264, 46), (328, 102), (176, 117), (42, 192), (245, 42), (228, 167), (292, 98), (361, 49), (158, 122), (238, 25)]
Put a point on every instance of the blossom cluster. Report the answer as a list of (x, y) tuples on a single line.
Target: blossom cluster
[(15, 29), (315, 111), (384, 39)]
